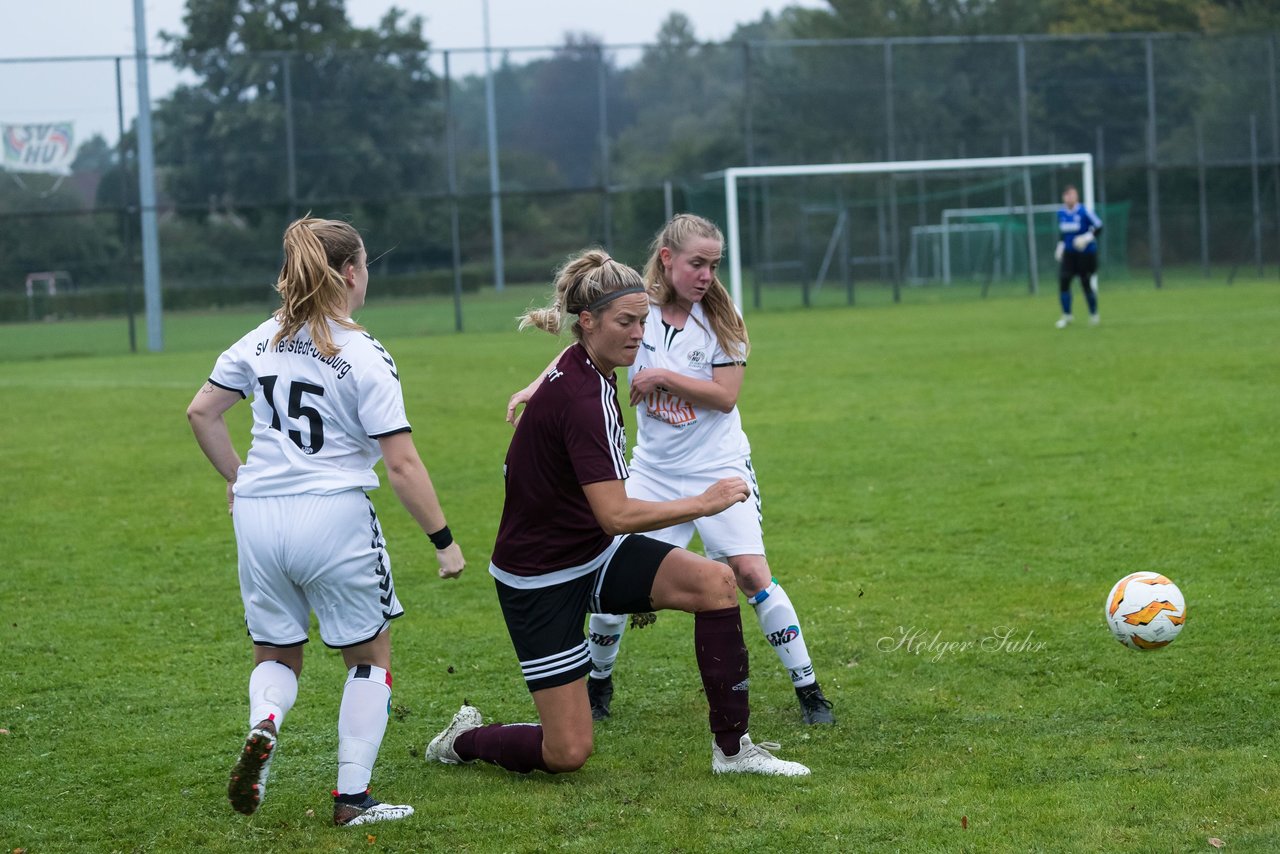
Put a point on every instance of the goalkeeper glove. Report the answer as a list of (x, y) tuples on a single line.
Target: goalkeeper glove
[(1082, 240), (1057, 251)]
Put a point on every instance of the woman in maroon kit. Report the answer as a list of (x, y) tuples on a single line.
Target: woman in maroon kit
[(569, 544)]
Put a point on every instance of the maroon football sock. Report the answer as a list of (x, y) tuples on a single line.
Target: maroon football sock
[(516, 747), (722, 661)]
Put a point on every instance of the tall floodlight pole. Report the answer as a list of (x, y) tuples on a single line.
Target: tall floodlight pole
[(147, 187), (495, 200)]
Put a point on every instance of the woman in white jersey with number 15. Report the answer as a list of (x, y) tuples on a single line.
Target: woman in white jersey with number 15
[(685, 384), (326, 405)]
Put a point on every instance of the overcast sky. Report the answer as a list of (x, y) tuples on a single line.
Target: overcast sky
[(78, 27), (85, 92)]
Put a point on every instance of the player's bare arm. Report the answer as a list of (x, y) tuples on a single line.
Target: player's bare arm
[(412, 485), (720, 392), (205, 415), (618, 513)]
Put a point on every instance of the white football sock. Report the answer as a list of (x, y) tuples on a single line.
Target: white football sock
[(273, 688), (362, 721), (781, 628), (604, 639)]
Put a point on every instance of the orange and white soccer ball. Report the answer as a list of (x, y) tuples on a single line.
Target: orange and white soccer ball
[(1145, 610)]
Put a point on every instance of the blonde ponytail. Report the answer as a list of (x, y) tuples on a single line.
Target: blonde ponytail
[(311, 287), (580, 283)]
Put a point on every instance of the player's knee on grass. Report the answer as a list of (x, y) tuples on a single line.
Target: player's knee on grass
[(568, 753)]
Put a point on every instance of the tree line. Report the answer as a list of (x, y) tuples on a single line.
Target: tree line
[(288, 107)]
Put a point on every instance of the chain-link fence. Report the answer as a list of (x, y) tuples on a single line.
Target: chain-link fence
[(596, 145)]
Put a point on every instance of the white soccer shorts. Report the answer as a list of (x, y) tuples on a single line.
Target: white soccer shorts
[(322, 553), (735, 531)]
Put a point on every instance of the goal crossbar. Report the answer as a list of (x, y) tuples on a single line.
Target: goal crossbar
[(1005, 210), (731, 176)]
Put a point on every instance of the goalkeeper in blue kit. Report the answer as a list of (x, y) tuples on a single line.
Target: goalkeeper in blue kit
[(1077, 254)]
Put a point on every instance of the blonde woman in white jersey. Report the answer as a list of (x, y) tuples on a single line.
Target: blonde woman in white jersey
[(685, 384), (326, 406)]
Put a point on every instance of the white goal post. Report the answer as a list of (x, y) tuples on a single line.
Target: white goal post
[(731, 176)]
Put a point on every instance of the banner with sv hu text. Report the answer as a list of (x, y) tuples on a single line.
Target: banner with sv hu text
[(47, 147)]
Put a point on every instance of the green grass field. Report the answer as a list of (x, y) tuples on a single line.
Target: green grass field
[(483, 311), (951, 467)]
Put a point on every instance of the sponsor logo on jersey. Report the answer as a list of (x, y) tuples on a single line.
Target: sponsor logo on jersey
[(649, 347), (554, 374), (604, 640), (782, 636), (667, 407)]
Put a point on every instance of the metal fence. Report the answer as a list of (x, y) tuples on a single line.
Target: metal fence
[(597, 144)]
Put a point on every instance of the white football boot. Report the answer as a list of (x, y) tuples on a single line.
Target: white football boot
[(754, 759), (351, 815), (441, 747), (1064, 321)]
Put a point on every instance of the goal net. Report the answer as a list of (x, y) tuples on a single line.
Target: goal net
[(989, 244), (820, 232)]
